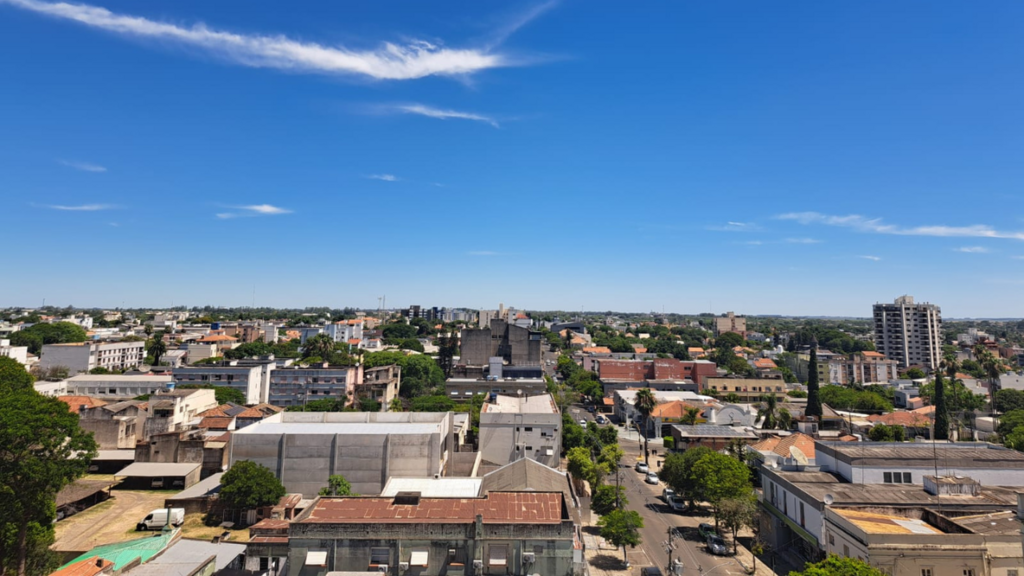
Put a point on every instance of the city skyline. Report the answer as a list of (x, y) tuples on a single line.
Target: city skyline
[(803, 159)]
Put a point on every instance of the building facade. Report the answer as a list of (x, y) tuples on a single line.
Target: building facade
[(118, 385), (730, 322), (297, 385), (251, 380), (909, 333), (80, 357), (515, 427)]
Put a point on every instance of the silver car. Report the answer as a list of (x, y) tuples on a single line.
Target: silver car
[(651, 478), (716, 545)]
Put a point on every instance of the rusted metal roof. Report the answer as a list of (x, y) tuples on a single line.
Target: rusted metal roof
[(495, 508)]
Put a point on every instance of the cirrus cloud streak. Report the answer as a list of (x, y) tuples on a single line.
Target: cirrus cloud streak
[(877, 226)]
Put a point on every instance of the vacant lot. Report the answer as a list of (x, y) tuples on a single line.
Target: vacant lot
[(111, 521)]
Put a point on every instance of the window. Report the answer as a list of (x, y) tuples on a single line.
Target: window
[(968, 571), (906, 478), (846, 550), (1011, 573), (926, 572), (497, 555), (529, 429), (380, 555), (832, 542), (802, 515), (528, 448)]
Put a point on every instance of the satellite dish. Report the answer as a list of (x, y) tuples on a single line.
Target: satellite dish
[(829, 499), (798, 455)]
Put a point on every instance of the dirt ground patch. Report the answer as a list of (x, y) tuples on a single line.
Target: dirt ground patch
[(195, 528), (111, 521)]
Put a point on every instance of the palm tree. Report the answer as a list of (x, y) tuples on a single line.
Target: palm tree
[(769, 412), (644, 404), (785, 419), (690, 418), (320, 345)]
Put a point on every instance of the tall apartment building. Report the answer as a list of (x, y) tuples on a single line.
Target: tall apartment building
[(251, 379), (514, 427), (731, 323), (84, 356), (909, 333)]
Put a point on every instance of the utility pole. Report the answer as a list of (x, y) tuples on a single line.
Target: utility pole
[(669, 547)]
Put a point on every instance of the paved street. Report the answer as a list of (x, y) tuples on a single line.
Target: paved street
[(658, 519)]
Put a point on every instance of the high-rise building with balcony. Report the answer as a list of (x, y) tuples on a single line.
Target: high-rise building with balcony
[(909, 333)]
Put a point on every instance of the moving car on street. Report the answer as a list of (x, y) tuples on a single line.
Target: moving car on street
[(651, 478), (716, 545), (641, 467)]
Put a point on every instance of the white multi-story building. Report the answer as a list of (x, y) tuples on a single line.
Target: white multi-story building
[(345, 330), (909, 333), (80, 357), (252, 379), (117, 385), (515, 427), (172, 411), (19, 353)]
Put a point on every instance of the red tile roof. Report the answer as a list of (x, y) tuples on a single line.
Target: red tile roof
[(495, 508), (781, 444), (76, 402), (765, 363), (902, 418), (218, 338), (215, 423), (674, 409), (251, 413), (355, 341), (597, 350)]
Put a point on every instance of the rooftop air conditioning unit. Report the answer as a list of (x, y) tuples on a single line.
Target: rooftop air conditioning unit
[(403, 566), (478, 564), (451, 553), (382, 568), (529, 557)]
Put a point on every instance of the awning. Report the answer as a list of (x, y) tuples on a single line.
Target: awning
[(316, 558), (498, 556), (418, 557)]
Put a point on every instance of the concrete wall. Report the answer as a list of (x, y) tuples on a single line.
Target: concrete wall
[(476, 346), (75, 358), (304, 461)]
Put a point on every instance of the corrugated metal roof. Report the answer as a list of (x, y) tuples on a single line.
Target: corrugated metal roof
[(157, 469), (495, 508)]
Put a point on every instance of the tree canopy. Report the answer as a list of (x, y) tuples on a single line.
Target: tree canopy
[(1008, 399), (839, 566), (337, 485), (622, 528), (42, 450), (248, 485), (843, 398), (38, 334), (419, 372)]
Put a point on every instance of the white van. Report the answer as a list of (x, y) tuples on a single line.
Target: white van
[(157, 519)]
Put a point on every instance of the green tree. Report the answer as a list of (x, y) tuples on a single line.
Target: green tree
[(914, 374), (769, 413), (368, 404), (608, 497), (678, 472), (337, 485), (611, 454), (1010, 421), (419, 371), (669, 442), (157, 349), (738, 513), (447, 350), (732, 398), (729, 340), (1015, 439), (690, 417), (248, 485), (887, 433), (399, 330), (321, 345), (395, 405), (37, 335), (1008, 399), (813, 396), (644, 405), (608, 435), (720, 478), (42, 450), (622, 528), (941, 409), (581, 466), (436, 403), (839, 566)]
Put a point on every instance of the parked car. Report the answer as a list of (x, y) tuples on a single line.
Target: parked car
[(650, 571), (651, 478), (600, 419), (705, 530), (716, 545), (641, 467), (677, 504), (583, 422), (157, 519), (667, 494)]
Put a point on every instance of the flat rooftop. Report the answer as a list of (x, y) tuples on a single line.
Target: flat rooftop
[(375, 423), (155, 378), (495, 508), (713, 431), (540, 404), (876, 523), (916, 455), (434, 487)]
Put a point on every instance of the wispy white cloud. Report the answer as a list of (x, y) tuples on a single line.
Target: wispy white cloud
[(972, 250), (384, 177), (389, 61), (753, 242), (78, 208), (83, 166), (509, 28), (735, 227), (802, 241), (872, 258), (443, 114), (876, 226), (253, 210)]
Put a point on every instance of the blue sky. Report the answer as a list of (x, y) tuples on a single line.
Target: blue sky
[(767, 158)]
